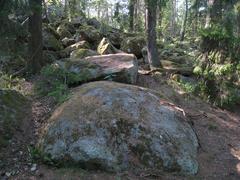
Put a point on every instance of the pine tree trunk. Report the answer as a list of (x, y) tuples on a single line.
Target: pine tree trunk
[(151, 18), (35, 61)]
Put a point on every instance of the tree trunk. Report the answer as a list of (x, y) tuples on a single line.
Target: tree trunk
[(214, 12), (183, 29), (131, 15), (173, 18), (66, 8), (196, 18), (159, 19), (35, 61), (151, 18), (238, 24)]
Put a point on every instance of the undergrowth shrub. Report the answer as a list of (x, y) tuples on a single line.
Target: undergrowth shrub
[(55, 82), (217, 66), (11, 83)]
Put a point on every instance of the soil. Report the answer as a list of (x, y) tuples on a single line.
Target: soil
[(218, 131)]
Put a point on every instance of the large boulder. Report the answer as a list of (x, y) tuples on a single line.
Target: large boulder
[(14, 109), (117, 67), (134, 45), (106, 47), (115, 127), (82, 53)]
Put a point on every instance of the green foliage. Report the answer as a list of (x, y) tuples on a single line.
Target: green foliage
[(54, 82), (216, 32), (226, 93), (36, 155), (10, 82)]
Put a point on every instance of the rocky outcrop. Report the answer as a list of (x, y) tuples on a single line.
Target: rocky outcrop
[(117, 67), (116, 127)]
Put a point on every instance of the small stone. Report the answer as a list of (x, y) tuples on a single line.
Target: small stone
[(8, 174), (34, 167)]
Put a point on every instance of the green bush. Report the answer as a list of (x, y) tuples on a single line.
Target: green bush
[(55, 81), (10, 82)]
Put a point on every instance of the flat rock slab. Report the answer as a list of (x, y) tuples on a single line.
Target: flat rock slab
[(116, 127), (116, 67)]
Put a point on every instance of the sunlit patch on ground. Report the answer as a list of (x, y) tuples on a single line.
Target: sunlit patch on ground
[(236, 153)]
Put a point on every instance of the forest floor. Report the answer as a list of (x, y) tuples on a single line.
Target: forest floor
[(218, 132)]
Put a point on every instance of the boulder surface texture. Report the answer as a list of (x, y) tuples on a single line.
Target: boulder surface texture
[(116, 127)]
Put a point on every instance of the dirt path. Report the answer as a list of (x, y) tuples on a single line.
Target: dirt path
[(218, 132)]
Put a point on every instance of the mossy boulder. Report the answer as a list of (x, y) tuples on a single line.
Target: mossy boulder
[(14, 109), (116, 127), (50, 42), (82, 53), (90, 34), (94, 22), (68, 26), (133, 45), (63, 32), (116, 67), (78, 21), (79, 45), (115, 38), (106, 47)]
